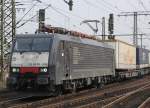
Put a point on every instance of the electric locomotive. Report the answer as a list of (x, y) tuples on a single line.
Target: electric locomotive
[(59, 62)]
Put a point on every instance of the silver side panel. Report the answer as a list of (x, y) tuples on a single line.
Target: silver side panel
[(81, 58), (91, 61)]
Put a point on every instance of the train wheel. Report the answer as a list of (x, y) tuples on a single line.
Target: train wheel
[(74, 89), (21, 87), (100, 85), (11, 87), (59, 90)]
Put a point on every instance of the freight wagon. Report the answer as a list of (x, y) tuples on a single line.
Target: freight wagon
[(125, 58)]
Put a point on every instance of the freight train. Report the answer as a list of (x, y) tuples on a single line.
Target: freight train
[(73, 60)]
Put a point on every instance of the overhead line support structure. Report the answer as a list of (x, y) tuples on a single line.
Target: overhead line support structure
[(7, 31), (103, 28), (95, 30), (135, 25)]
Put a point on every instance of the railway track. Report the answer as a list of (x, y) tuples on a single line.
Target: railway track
[(82, 100), (10, 102), (145, 104), (131, 99), (10, 95), (74, 103)]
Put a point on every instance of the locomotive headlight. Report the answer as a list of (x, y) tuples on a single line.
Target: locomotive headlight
[(43, 69), (15, 69)]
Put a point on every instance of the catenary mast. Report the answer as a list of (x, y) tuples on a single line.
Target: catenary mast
[(7, 31)]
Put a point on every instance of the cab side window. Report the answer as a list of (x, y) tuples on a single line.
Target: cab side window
[(62, 45)]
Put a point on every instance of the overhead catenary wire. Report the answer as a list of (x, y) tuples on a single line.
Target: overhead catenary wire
[(55, 21), (94, 5), (37, 15), (62, 11), (26, 14), (106, 6), (24, 1), (58, 10), (32, 17), (67, 14), (45, 18), (142, 4), (126, 34), (48, 5), (115, 7), (52, 7), (131, 4), (75, 15)]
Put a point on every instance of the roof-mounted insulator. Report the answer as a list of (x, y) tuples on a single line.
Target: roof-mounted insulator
[(60, 30)]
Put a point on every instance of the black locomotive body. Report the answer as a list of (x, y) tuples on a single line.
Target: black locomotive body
[(59, 62)]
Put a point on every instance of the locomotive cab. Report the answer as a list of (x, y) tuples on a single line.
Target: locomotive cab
[(30, 61)]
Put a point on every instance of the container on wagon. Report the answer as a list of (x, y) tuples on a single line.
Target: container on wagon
[(125, 54), (142, 57)]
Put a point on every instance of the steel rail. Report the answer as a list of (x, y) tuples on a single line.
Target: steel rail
[(59, 102), (145, 104), (128, 95)]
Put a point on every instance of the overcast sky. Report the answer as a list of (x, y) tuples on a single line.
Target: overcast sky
[(58, 14)]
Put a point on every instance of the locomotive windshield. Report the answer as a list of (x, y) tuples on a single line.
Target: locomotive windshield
[(32, 44)]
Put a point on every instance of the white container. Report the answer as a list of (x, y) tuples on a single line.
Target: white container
[(125, 54)]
